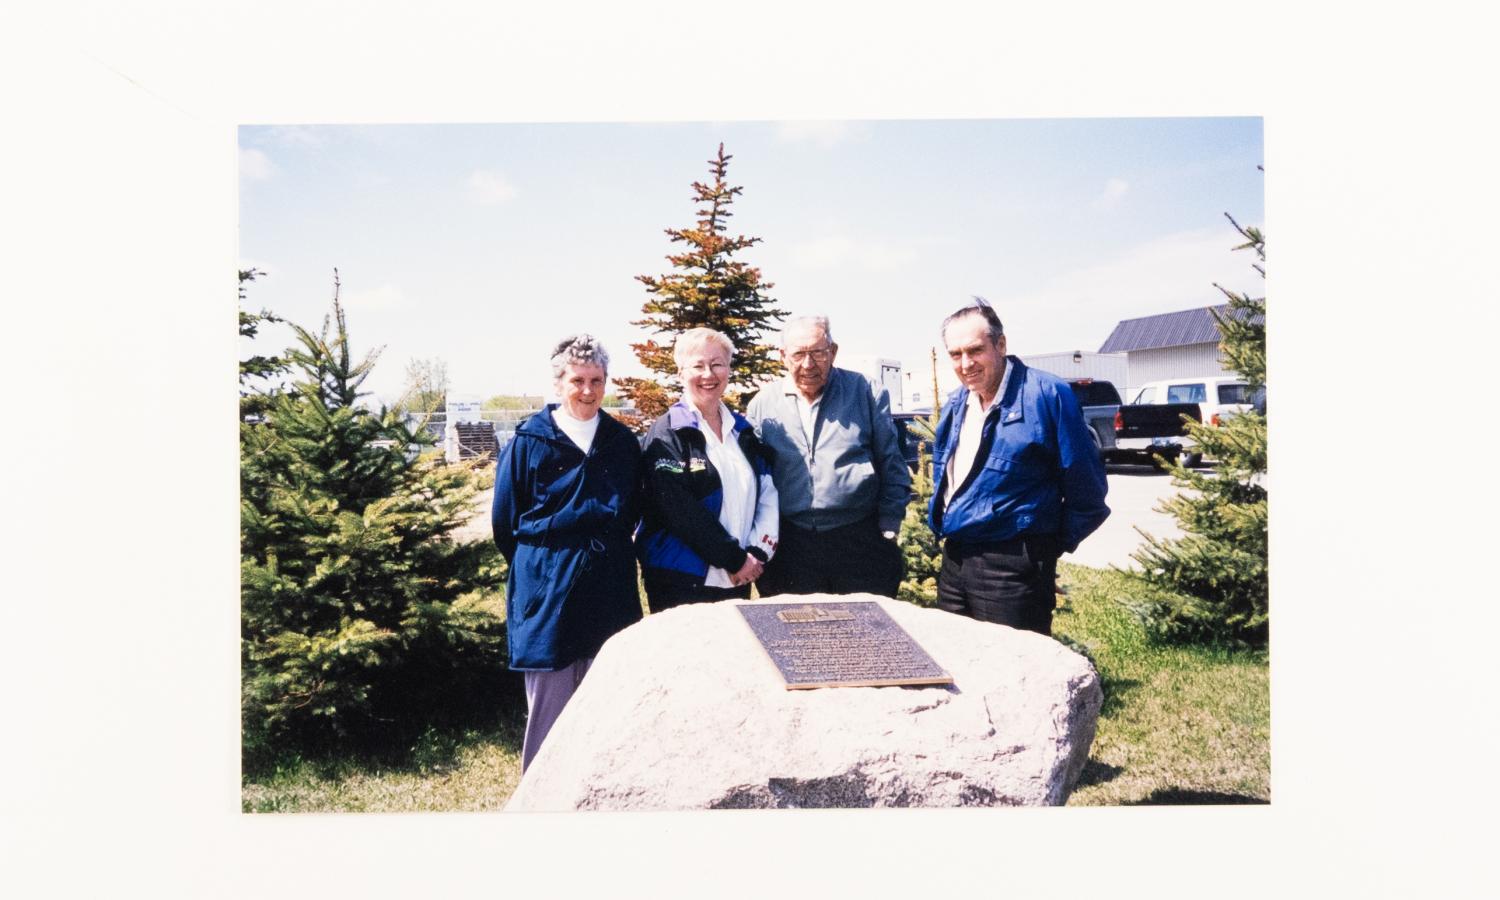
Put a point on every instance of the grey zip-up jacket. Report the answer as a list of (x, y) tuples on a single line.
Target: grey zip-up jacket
[(850, 468)]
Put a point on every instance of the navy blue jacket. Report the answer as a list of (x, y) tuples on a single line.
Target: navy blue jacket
[(680, 530), (1039, 471), (564, 521)]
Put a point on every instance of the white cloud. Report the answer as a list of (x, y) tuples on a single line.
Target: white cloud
[(255, 165), (1078, 309), (838, 250), (824, 134), (298, 136), (387, 296), (1114, 190), (488, 187)]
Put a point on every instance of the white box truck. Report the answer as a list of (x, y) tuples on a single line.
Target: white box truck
[(884, 371)]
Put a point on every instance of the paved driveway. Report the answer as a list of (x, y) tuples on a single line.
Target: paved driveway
[(1134, 492)]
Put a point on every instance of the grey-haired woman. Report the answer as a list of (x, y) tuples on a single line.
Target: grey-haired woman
[(566, 505)]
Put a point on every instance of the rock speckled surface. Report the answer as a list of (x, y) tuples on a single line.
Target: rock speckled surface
[(685, 711)]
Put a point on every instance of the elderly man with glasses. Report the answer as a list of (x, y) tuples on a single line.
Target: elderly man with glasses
[(842, 482)]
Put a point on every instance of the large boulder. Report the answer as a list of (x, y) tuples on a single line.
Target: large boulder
[(684, 710)]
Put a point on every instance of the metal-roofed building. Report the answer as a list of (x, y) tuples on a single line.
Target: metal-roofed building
[(1168, 345)]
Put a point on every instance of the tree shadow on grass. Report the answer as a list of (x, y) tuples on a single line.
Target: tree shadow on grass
[(1183, 797), (1096, 772), (1116, 690), (437, 749), (414, 740)]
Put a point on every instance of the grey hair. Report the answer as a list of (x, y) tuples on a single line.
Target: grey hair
[(977, 307), (820, 321), (580, 349), (694, 338)]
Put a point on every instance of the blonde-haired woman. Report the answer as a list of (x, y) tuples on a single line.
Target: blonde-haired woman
[(710, 515)]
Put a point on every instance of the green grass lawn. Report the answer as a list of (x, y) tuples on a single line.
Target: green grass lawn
[(472, 771), (1179, 725)]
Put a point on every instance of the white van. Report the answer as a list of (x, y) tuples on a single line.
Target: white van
[(1217, 396)]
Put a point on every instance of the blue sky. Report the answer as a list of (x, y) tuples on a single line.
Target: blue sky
[(479, 244)]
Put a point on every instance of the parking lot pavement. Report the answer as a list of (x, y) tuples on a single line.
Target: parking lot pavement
[(1134, 492)]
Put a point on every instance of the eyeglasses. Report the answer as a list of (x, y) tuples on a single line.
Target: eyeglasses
[(819, 355)]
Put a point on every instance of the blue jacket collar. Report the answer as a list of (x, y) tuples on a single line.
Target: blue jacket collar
[(541, 425), (1011, 407)]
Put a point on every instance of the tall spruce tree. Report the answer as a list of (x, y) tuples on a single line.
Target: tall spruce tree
[(256, 369), (708, 289), (1213, 580), (362, 619)]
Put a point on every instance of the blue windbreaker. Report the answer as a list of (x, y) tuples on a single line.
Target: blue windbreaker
[(564, 521), (1040, 472)]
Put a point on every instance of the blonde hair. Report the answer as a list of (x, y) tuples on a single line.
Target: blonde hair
[(696, 339)]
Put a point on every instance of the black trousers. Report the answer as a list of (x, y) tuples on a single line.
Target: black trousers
[(665, 589), (851, 559), (1010, 582)]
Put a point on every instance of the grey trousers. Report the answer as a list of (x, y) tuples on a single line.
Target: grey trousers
[(546, 695)]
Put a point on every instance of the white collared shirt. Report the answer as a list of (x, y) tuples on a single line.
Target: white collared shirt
[(807, 410), (966, 452), (737, 510)]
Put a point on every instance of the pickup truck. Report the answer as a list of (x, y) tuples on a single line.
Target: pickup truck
[(1147, 430), (1218, 397), (1100, 402), (1133, 433)]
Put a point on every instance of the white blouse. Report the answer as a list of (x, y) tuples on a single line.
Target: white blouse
[(737, 512)]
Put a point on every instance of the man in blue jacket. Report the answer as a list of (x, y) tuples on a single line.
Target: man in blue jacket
[(1017, 479)]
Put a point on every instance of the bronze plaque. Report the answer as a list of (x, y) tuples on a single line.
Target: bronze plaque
[(837, 644)]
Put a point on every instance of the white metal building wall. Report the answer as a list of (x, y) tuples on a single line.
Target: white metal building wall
[(1173, 362), (1111, 367)]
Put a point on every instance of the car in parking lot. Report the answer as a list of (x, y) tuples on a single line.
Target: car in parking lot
[(1217, 396), (1100, 402), (910, 437), (1145, 432)]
